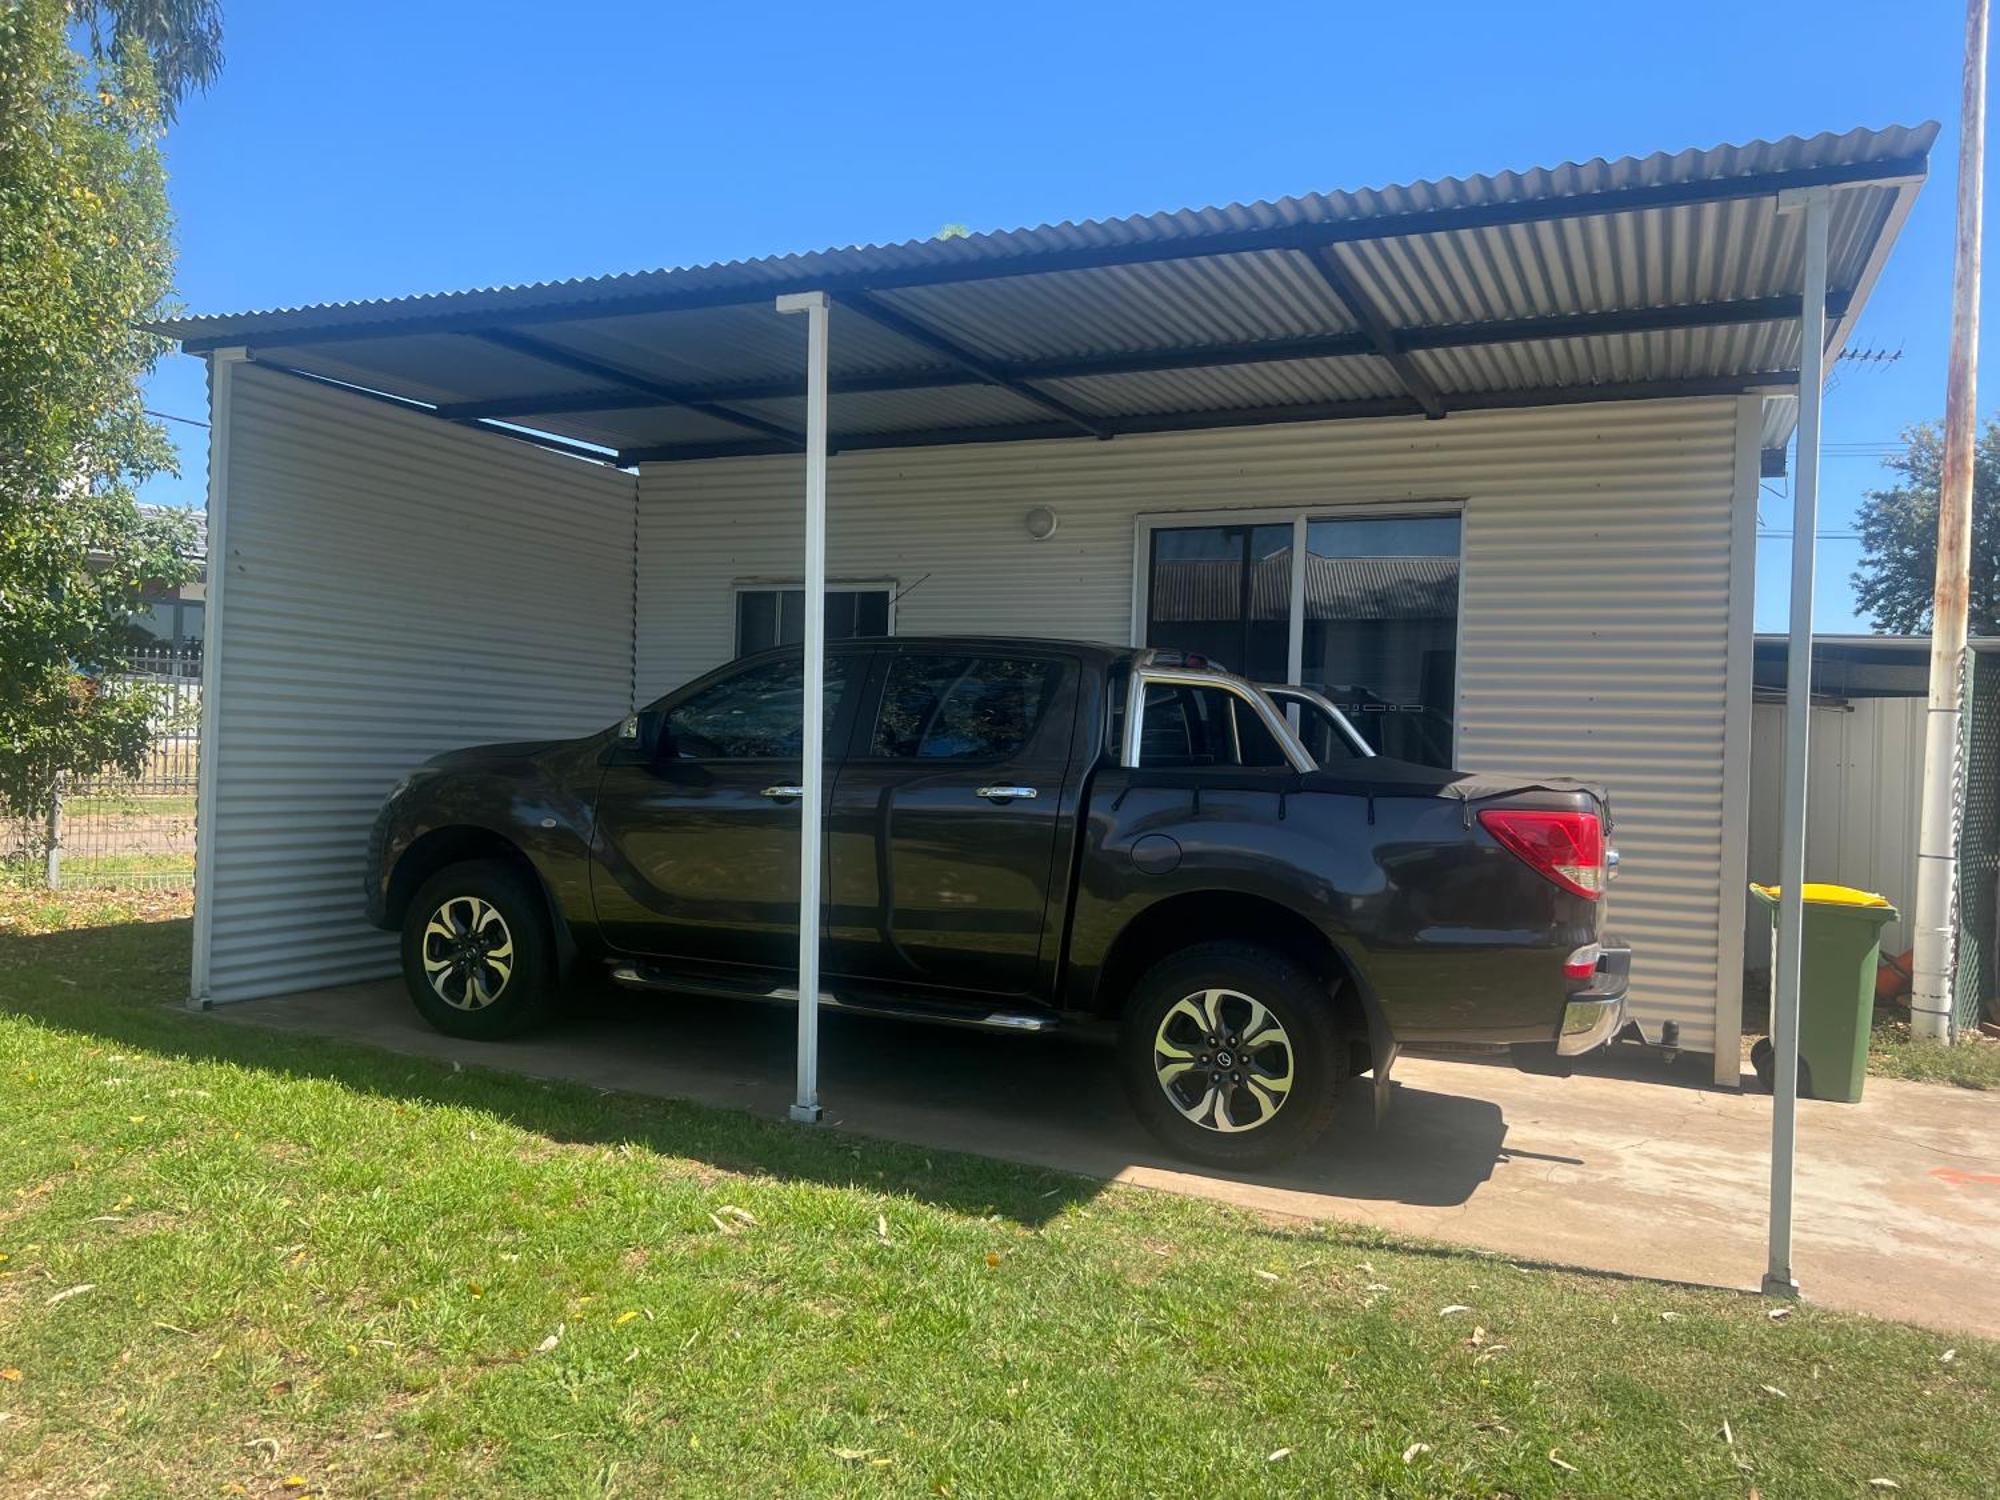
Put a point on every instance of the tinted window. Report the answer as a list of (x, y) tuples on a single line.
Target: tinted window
[(961, 707), (1381, 628), (755, 715), (1190, 726)]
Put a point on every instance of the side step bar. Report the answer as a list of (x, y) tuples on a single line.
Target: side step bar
[(896, 1007)]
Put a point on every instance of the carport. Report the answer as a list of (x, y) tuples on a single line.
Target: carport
[(522, 512)]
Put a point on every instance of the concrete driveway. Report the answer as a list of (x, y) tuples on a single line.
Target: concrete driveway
[(1633, 1169)]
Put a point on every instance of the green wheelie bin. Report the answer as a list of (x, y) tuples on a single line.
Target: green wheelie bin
[(1840, 953)]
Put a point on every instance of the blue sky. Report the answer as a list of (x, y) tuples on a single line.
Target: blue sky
[(373, 149)]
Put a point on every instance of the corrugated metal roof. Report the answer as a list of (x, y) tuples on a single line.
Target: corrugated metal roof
[(1681, 263)]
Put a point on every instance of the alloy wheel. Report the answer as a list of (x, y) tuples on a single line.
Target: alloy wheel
[(1223, 1060), (468, 952)]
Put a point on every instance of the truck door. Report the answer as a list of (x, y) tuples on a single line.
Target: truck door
[(943, 824), (697, 853)]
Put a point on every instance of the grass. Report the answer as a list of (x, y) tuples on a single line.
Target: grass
[(1971, 1063), (242, 1263), (128, 805)]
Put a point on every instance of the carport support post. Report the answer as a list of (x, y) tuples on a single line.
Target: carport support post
[(805, 1105), (1778, 1278)]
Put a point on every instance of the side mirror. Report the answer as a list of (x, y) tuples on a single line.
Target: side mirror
[(644, 739)]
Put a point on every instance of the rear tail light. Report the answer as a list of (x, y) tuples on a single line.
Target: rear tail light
[(1567, 847), (1582, 964)]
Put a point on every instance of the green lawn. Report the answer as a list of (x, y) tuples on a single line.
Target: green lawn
[(242, 1263)]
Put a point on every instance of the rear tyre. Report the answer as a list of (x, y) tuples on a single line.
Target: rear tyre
[(1232, 1055), (476, 951)]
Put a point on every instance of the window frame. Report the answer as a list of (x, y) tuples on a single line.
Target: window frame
[(1300, 518), (781, 586)]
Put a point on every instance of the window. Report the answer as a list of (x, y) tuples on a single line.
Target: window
[(961, 707), (758, 714), (1224, 592), (1381, 628), (775, 616), (1204, 726), (1376, 630)]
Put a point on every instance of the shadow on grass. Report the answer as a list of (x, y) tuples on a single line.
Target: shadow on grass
[(609, 1070)]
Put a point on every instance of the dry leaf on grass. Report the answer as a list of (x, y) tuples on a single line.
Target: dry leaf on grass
[(1778, 1314), (1282, 1453), (882, 1228), (552, 1340), (76, 1291), (1772, 1390), (1264, 1275), (1948, 1356), (1883, 1484), (623, 1318), (1564, 1465), (1454, 1308), (10, 1373), (853, 1455), (992, 1260), (741, 1215), (1410, 1453)]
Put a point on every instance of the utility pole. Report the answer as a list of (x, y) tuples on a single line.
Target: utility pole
[(1937, 847)]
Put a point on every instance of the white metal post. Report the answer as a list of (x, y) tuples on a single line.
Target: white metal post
[(222, 366), (1778, 1278), (805, 1105)]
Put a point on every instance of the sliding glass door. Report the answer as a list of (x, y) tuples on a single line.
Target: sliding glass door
[(1224, 592), (1370, 619)]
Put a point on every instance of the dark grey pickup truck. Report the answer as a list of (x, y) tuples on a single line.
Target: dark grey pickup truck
[(1021, 835)]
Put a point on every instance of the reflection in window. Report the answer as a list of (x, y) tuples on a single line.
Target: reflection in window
[(1191, 726), (1224, 592), (1381, 628), (755, 715), (961, 707), (776, 616)]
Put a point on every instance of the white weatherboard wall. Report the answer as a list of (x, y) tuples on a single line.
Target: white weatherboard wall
[(395, 587), (1595, 608), (1864, 802)]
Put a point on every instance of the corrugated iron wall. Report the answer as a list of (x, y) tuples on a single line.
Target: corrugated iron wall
[(395, 587), (1595, 606)]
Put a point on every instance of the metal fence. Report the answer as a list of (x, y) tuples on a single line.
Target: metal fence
[(120, 830)]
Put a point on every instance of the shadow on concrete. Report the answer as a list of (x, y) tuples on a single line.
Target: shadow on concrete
[(1047, 1102)]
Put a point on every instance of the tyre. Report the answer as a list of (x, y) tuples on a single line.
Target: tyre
[(476, 951), (1232, 1055)]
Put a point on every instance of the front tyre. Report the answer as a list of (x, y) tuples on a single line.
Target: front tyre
[(1232, 1054), (476, 951)]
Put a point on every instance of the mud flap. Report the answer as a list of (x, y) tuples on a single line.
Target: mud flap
[(1383, 1049)]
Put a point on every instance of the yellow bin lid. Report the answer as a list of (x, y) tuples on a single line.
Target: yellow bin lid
[(1818, 893)]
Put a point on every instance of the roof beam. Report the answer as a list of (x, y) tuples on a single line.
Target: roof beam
[(1197, 357), (658, 393), (973, 265), (1325, 260), (1771, 383), (906, 327)]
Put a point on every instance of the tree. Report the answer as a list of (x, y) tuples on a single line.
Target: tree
[(1898, 573), (85, 257)]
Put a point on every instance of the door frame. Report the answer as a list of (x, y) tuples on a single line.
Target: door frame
[(1300, 517)]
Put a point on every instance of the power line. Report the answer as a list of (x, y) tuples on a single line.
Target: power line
[(167, 416)]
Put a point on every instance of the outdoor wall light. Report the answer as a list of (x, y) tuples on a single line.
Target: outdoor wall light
[(1041, 523)]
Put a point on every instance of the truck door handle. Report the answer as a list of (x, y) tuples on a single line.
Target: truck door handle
[(1008, 793), (784, 793)]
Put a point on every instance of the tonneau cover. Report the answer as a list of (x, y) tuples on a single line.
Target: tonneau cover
[(1378, 776)]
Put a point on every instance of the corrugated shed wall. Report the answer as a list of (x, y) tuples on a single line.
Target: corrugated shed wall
[(395, 587), (1595, 603), (1864, 802)]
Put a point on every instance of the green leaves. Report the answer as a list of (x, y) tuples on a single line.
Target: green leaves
[(85, 258), (1898, 573)]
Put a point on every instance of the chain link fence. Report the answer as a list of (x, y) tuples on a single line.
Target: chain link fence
[(120, 830)]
